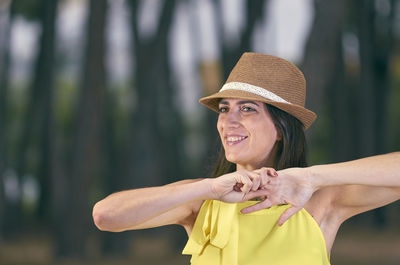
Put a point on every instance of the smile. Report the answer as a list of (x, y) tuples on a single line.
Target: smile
[(232, 140)]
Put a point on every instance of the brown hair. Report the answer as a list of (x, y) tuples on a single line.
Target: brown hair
[(292, 148)]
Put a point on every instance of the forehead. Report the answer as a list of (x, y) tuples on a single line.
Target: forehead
[(231, 101)]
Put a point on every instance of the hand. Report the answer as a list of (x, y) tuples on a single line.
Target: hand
[(291, 186), (238, 186)]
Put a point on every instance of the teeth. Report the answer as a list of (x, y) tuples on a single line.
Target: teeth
[(235, 139)]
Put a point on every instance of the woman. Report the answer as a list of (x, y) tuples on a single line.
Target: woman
[(242, 215)]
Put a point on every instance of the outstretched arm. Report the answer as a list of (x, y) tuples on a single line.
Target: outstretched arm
[(379, 171), (176, 203), (363, 184), (149, 207)]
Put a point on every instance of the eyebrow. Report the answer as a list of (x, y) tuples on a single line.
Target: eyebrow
[(240, 102)]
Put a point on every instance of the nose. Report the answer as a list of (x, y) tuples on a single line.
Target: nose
[(231, 119)]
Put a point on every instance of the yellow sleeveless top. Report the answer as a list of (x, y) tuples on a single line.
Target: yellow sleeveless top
[(223, 236)]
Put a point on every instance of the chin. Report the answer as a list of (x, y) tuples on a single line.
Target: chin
[(245, 163), (232, 160), (235, 159)]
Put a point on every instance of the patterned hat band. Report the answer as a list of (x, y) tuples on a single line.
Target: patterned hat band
[(254, 90)]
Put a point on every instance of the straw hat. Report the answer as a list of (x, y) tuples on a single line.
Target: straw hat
[(268, 79)]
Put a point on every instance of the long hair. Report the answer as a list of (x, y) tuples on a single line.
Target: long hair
[(291, 149)]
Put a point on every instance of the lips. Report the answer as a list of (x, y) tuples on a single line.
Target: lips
[(234, 139)]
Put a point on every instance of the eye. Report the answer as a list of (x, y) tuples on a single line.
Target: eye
[(247, 109), (223, 109)]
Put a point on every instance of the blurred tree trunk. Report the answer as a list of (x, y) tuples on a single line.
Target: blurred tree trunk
[(144, 161), (376, 46), (87, 160), (156, 142), (36, 128), (114, 244), (4, 84), (156, 127), (323, 68), (321, 51), (231, 52), (339, 110), (357, 101), (45, 80), (367, 105)]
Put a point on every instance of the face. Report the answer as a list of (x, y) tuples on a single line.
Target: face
[(247, 132)]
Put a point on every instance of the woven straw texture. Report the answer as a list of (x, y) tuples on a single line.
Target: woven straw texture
[(274, 74)]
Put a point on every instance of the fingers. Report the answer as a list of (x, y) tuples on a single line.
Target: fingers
[(264, 184), (271, 172), (259, 179), (255, 194), (256, 178), (265, 176), (287, 214), (264, 179), (250, 180), (247, 183), (258, 206), (267, 170)]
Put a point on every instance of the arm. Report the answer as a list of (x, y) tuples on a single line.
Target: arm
[(362, 185), (175, 203), (150, 207), (379, 171)]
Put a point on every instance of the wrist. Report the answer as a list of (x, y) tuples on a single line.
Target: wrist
[(209, 193), (314, 178)]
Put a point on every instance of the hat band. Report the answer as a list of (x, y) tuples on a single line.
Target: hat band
[(254, 90)]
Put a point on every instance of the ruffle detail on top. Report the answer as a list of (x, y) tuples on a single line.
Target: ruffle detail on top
[(222, 235)]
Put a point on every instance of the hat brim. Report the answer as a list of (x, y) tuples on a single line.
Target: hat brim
[(307, 117)]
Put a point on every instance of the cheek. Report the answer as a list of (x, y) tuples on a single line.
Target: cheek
[(265, 137), (219, 126)]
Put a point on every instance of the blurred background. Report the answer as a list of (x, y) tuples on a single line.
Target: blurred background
[(98, 96)]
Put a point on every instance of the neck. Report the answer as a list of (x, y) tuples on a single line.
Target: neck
[(251, 167), (268, 162)]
